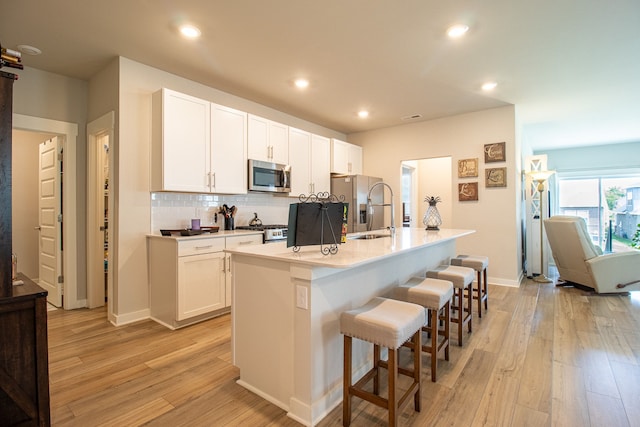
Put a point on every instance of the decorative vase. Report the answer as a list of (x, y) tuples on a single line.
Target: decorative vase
[(431, 218)]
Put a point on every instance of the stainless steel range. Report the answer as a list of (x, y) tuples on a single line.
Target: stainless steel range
[(272, 233)]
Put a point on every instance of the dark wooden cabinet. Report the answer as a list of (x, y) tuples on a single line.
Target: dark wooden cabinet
[(24, 370), (24, 362)]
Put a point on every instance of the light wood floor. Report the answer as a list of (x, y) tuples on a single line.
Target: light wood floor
[(541, 356)]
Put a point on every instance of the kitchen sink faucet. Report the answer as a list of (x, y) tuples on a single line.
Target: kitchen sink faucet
[(392, 227)]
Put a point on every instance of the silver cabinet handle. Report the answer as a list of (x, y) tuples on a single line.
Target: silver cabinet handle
[(199, 248), (37, 228)]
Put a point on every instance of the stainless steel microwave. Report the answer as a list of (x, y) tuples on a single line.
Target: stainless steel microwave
[(269, 177)]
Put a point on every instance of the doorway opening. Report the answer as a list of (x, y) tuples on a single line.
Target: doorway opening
[(68, 133), (427, 177), (99, 212)]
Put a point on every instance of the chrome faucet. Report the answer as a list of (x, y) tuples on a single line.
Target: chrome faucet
[(392, 227)]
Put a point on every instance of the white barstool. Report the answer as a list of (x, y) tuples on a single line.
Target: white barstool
[(434, 295), (385, 323), (462, 279), (480, 264)]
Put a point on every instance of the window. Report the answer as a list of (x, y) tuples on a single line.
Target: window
[(605, 203)]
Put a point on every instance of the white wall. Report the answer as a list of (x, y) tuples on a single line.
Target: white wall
[(496, 215), (616, 158), (51, 96)]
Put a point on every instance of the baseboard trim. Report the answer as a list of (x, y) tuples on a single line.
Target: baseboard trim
[(125, 319)]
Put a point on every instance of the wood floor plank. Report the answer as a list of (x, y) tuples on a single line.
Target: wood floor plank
[(628, 380), (540, 356), (569, 405), (536, 380)]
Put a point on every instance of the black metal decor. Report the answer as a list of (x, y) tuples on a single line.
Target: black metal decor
[(317, 220)]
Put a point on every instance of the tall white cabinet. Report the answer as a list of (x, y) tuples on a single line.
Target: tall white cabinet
[(228, 150), (197, 146), (181, 136)]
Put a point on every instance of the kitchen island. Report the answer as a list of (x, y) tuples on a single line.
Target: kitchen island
[(286, 311)]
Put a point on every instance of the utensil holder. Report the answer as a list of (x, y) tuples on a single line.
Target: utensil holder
[(229, 224)]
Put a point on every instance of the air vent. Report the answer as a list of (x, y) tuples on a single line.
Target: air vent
[(412, 117)]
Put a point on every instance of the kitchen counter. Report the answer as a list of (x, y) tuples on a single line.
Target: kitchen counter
[(221, 233), (355, 251), (286, 308)]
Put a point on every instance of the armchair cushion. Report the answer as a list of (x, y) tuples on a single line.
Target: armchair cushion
[(580, 261)]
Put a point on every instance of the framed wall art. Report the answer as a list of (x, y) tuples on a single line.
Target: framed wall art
[(467, 191), (495, 152), (495, 177), (467, 168)]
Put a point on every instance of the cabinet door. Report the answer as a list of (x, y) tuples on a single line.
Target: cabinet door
[(258, 138), (355, 159), (201, 284), (320, 164), (279, 142), (228, 150), (299, 152), (181, 139), (339, 156), (234, 242), (267, 140)]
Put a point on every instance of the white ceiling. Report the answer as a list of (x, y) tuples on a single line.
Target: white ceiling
[(571, 67)]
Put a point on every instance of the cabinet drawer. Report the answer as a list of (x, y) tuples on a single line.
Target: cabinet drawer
[(200, 246), (252, 239)]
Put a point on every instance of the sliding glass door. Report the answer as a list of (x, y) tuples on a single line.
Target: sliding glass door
[(606, 203)]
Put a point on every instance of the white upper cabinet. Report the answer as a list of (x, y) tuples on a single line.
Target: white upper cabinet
[(299, 159), (345, 158), (309, 157), (197, 146), (320, 162), (228, 150), (181, 143), (268, 141)]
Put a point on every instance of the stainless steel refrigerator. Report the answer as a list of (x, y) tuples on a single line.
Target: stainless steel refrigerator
[(355, 188)]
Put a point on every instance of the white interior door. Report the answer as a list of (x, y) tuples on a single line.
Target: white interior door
[(50, 218)]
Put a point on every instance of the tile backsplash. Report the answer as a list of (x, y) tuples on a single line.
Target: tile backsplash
[(175, 210)]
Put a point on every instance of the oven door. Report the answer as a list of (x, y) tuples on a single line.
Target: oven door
[(269, 177)]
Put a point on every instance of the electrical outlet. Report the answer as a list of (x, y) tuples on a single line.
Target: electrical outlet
[(302, 297)]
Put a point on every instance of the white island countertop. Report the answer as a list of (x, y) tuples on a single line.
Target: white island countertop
[(354, 252)]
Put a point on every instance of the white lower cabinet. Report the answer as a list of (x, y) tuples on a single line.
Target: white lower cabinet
[(201, 287), (190, 278)]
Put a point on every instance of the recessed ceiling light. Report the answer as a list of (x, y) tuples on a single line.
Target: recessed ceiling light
[(457, 31), (363, 114), (28, 50), (489, 86), (189, 31), (302, 83)]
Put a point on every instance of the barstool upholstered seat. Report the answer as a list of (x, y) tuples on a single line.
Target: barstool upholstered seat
[(434, 295), (387, 323), (480, 264), (462, 279)]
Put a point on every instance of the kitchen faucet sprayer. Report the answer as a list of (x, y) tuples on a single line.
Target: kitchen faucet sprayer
[(392, 227)]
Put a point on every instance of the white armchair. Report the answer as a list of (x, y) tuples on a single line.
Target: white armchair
[(581, 262)]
